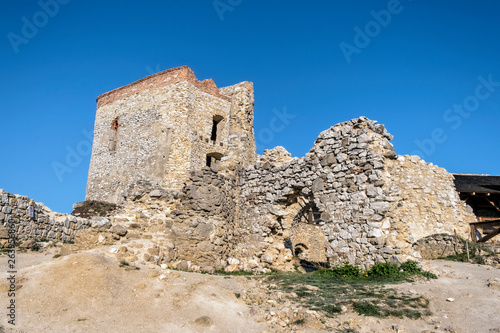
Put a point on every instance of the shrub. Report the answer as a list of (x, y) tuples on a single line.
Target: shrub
[(346, 271), (94, 208), (411, 267), (332, 309), (429, 275), (385, 270)]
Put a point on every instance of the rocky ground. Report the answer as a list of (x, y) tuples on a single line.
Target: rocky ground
[(89, 292)]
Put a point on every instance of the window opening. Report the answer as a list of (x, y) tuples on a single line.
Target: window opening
[(114, 134), (215, 127), (213, 159)]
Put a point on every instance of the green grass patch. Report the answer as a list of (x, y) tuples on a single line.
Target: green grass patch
[(300, 321), (367, 309), (236, 273), (327, 290), (123, 263), (383, 272), (43, 240)]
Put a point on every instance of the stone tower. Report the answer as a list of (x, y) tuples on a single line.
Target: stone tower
[(163, 126)]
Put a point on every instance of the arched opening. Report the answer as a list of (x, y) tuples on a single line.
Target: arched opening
[(308, 213), (216, 124), (300, 250)]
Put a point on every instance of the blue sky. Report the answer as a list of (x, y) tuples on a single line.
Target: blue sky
[(428, 70)]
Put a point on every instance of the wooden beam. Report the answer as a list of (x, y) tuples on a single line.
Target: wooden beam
[(489, 236), (487, 224), (492, 203), (473, 232)]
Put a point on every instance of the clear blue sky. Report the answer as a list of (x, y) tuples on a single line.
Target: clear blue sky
[(421, 68)]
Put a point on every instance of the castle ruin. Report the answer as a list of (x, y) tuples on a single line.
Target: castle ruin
[(178, 155), (351, 198)]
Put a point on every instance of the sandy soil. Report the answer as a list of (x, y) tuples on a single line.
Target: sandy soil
[(89, 292)]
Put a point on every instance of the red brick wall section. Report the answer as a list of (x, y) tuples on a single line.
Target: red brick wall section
[(165, 78)]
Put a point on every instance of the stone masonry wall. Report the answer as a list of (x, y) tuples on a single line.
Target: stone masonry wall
[(35, 220), (368, 206), (241, 140), (193, 228), (439, 246), (427, 203), (340, 178), (161, 79), (143, 140)]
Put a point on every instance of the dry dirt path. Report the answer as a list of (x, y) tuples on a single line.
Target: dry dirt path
[(89, 292), (475, 292)]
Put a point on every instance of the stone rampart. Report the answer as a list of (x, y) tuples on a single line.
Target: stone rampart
[(34, 220)]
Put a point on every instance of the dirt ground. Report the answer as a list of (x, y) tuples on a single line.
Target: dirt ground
[(90, 292)]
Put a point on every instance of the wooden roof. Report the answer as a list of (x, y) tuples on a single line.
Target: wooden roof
[(477, 183)]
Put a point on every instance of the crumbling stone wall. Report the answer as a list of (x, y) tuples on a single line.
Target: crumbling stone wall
[(202, 223), (184, 151), (426, 203), (438, 246), (341, 179), (35, 220), (160, 128), (194, 226), (351, 198), (367, 204), (241, 140)]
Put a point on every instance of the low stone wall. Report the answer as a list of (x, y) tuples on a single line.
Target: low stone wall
[(438, 246), (34, 220)]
